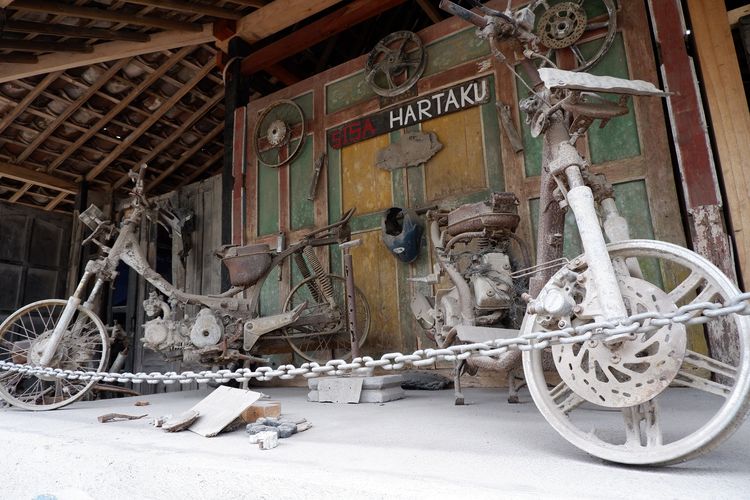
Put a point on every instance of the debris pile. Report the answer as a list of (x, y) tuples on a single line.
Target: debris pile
[(280, 428)]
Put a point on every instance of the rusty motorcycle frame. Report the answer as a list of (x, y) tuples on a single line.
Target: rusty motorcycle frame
[(316, 320)]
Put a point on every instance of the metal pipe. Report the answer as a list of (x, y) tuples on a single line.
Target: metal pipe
[(437, 241), (465, 14), (464, 236)]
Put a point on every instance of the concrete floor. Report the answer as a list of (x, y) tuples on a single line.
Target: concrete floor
[(421, 446)]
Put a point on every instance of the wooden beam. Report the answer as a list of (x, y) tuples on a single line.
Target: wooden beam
[(730, 119), (196, 8), (117, 16), (202, 169), (274, 17), (28, 99), (74, 31), (314, 33), (430, 10), (109, 51), (187, 155), (18, 58), (72, 108), (283, 75), (135, 134), (5, 3), (56, 201), (177, 133), (34, 46), (252, 3), (23, 174), (734, 15), (124, 102)]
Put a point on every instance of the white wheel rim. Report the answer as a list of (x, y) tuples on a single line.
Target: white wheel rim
[(720, 426)]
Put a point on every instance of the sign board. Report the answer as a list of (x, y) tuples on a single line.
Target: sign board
[(443, 102)]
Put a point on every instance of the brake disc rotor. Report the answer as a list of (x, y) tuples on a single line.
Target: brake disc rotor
[(562, 25), (633, 371)]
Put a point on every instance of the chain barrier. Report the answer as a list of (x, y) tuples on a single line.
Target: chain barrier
[(690, 314)]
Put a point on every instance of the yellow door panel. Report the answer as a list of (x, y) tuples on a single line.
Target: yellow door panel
[(375, 276), (365, 186), (459, 167)]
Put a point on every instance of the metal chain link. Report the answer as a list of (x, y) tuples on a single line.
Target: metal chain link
[(690, 314)]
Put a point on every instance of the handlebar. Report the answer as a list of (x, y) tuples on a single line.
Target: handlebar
[(343, 221), (465, 14)]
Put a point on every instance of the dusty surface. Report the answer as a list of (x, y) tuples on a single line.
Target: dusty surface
[(421, 446)]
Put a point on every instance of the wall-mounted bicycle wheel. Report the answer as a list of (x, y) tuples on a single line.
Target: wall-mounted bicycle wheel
[(322, 333), (279, 133), (23, 338), (395, 64)]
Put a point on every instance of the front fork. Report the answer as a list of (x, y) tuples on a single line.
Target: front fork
[(580, 198), (74, 301)]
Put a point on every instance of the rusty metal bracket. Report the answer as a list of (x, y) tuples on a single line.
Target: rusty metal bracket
[(511, 132), (320, 163)]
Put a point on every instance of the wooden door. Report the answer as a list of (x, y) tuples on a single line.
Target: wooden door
[(475, 160), (33, 256)]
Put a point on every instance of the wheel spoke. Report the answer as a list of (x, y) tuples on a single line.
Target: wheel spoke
[(388, 77), (642, 427), (688, 285), (722, 371), (701, 361), (597, 25), (381, 47), (579, 55), (687, 379), (565, 398)]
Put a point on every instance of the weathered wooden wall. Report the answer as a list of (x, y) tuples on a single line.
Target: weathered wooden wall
[(34, 247), (201, 273), (475, 160)]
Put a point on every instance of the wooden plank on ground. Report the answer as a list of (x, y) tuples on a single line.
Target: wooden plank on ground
[(221, 408)]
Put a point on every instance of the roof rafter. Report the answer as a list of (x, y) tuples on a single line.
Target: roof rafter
[(177, 133), (195, 8), (28, 99), (74, 31), (102, 15), (153, 77), (109, 51), (49, 129), (150, 121)]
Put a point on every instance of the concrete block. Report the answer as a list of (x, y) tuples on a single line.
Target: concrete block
[(379, 382), (340, 390), (381, 389), (382, 395)]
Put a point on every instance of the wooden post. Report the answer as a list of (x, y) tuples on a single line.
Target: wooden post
[(692, 145), (236, 95), (730, 119)]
